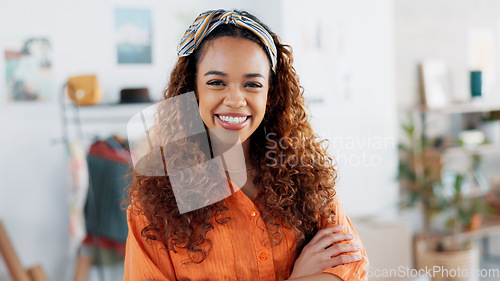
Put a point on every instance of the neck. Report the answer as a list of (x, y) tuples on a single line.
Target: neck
[(246, 152), (236, 155)]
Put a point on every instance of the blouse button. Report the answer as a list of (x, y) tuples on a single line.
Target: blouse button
[(253, 213), (263, 256)]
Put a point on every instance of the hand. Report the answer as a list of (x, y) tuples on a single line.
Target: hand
[(316, 256)]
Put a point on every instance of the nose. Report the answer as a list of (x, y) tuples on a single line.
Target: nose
[(235, 99)]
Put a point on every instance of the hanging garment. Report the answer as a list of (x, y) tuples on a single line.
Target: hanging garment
[(108, 164), (77, 195)]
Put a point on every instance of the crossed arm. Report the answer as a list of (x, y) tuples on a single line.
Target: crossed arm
[(330, 255), (316, 277)]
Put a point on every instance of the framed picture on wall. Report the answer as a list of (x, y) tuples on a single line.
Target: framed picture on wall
[(28, 69), (435, 83), (133, 35)]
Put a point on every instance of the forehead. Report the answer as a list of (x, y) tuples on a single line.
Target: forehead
[(233, 55)]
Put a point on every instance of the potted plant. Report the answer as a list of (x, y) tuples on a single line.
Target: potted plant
[(467, 211), (420, 176)]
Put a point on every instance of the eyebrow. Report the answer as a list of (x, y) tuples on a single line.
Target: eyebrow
[(250, 75)]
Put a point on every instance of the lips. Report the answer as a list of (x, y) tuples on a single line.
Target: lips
[(233, 121)]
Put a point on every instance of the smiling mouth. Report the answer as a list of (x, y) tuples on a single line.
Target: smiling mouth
[(232, 119)]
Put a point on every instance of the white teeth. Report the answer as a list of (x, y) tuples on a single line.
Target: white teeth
[(232, 120)]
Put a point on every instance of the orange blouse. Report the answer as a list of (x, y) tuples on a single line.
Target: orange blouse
[(240, 250)]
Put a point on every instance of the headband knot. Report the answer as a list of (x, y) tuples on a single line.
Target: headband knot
[(230, 17), (207, 21)]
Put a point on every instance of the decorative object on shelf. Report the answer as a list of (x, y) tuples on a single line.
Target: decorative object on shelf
[(491, 130), (481, 56), (134, 95), (84, 90), (491, 127), (476, 83), (471, 138), (435, 83)]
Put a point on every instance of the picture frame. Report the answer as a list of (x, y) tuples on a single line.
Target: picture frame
[(435, 83), (29, 69), (133, 35)]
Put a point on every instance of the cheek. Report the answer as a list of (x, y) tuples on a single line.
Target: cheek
[(261, 105), (206, 105)]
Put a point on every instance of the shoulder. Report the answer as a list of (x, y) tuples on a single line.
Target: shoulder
[(136, 218)]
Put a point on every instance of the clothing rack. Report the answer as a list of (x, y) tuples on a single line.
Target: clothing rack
[(73, 121), (84, 261)]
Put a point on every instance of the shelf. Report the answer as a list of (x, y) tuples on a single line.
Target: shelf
[(483, 149), (115, 105), (466, 107), (490, 226), (106, 113)]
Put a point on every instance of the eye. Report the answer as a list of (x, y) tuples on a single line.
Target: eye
[(215, 83), (253, 85)]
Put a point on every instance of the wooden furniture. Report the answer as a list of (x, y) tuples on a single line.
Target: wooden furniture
[(490, 226), (457, 112), (82, 269), (16, 269), (462, 116), (465, 107), (36, 273)]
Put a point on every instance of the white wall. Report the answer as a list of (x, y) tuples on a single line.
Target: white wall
[(33, 190), (354, 77)]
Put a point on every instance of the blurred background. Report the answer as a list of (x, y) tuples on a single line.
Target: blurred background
[(405, 91)]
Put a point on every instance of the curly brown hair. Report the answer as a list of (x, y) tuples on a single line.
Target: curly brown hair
[(295, 192)]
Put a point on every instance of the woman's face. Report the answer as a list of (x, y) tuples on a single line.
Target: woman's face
[(232, 80)]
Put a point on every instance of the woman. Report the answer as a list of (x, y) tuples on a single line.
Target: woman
[(285, 221)]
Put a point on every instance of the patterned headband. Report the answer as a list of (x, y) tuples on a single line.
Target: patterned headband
[(207, 21)]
